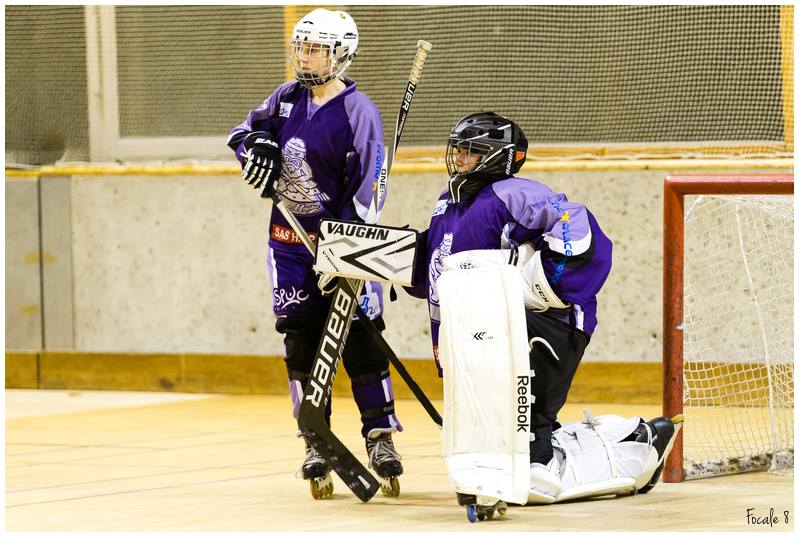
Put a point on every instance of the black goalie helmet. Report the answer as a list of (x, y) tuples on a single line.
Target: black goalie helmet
[(483, 148)]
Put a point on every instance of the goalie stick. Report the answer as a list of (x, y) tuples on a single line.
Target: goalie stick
[(311, 418)]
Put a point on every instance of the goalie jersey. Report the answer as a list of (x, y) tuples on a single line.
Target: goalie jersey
[(575, 253)]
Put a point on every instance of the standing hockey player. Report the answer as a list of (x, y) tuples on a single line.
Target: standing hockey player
[(486, 217), (318, 142)]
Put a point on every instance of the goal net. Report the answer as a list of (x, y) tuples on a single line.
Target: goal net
[(737, 329)]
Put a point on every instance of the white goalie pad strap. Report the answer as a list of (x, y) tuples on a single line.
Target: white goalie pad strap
[(366, 252), (594, 460), (536, 291), (483, 353)]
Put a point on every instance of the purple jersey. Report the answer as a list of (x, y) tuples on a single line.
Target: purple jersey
[(332, 156), (575, 254)]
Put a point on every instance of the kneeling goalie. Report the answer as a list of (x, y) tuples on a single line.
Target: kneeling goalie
[(511, 273)]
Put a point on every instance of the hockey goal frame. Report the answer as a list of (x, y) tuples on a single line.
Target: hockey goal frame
[(675, 188)]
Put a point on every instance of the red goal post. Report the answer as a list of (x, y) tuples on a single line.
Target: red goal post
[(675, 189)]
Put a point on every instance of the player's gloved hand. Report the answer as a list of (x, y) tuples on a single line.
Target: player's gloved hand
[(327, 284), (264, 159)]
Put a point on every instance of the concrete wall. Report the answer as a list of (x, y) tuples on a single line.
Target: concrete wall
[(23, 277), (177, 264)]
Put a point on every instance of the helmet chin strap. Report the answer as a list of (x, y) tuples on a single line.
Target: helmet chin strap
[(462, 187)]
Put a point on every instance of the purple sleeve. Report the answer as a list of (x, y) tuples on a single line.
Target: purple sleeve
[(570, 240), (368, 152), (538, 213), (259, 119)]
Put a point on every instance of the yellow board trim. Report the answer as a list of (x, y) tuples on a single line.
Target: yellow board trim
[(786, 38), (22, 369), (595, 382), (436, 166)]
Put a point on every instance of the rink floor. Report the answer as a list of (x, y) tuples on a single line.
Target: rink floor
[(138, 461)]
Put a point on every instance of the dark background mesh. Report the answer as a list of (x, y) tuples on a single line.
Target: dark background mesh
[(567, 74), (46, 99)]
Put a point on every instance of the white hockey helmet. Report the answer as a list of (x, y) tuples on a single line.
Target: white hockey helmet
[(322, 46)]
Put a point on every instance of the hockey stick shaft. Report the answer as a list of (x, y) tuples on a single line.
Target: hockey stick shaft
[(422, 48)]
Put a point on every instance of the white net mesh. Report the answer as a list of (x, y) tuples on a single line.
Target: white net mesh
[(738, 335)]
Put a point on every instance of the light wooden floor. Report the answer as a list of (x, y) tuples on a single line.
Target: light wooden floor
[(228, 463)]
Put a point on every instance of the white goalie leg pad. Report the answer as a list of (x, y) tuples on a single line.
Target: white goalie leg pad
[(595, 461), (545, 485), (483, 353)]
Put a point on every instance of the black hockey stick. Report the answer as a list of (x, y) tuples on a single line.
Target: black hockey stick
[(399, 366), (318, 390)]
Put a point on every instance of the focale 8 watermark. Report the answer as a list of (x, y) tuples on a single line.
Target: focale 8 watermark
[(771, 519)]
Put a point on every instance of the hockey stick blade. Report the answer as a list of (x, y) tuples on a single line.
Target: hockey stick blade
[(311, 415)]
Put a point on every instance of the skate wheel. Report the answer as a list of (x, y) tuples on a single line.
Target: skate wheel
[(481, 515), (502, 509), (470, 513), (490, 513), (391, 488), (321, 488), (316, 492)]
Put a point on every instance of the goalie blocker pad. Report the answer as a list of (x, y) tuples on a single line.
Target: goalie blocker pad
[(366, 251), (484, 355)]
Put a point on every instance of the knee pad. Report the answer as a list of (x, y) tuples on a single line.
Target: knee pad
[(300, 339), (361, 354), (374, 396)]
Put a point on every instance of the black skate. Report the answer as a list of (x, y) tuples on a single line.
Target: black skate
[(663, 432), (317, 472), (481, 507), (385, 461)]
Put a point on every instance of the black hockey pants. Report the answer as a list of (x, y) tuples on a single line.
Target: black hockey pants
[(555, 354)]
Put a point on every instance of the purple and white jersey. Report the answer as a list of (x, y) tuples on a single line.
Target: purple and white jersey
[(575, 254), (332, 156)]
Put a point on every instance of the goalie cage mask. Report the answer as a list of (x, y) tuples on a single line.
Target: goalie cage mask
[(326, 40), (500, 145)]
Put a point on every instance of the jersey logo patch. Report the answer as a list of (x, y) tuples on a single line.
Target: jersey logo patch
[(437, 266), (296, 184), (285, 109), (441, 207)]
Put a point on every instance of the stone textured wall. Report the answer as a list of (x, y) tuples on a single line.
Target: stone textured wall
[(178, 264)]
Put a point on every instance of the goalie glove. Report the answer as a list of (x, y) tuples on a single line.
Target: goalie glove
[(536, 291), (264, 158)]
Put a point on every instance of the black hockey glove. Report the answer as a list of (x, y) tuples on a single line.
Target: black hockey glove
[(264, 159)]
